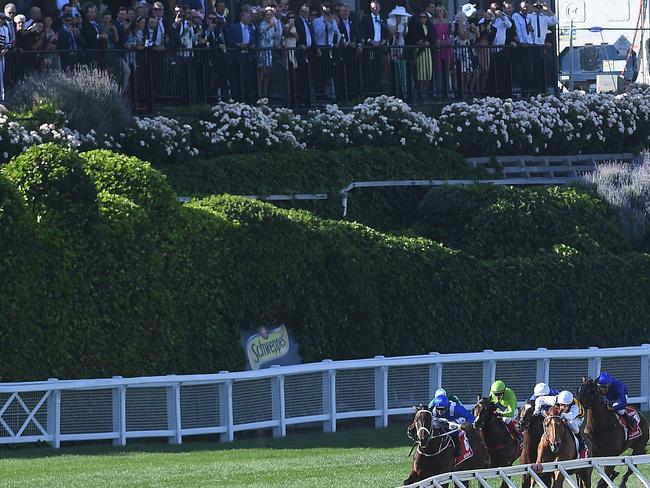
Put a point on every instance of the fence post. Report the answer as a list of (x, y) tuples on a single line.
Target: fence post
[(119, 413), (543, 367), (329, 398), (594, 363), (645, 378), (174, 412), (435, 375), (489, 372), (381, 395), (54, 415), (278, 406), (225, 403)]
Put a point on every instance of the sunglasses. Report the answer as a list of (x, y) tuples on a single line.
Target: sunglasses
[(157, 8)]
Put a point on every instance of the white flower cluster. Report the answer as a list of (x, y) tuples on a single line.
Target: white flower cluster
[(571, 123), (159, 139), (238, 127), (14, 138), (329, 128)]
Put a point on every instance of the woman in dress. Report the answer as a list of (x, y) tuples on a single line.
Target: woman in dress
[(270, 33), (442, 40), (398, 27), (419, 35)]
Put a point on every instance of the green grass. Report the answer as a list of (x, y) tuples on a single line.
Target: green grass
[(353, 458)]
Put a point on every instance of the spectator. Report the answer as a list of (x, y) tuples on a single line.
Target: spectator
[(5, 46), (122, 26), (215, 34), (522, 24), (150, 32), (24, 39), (10, 13), (483, 51), (442, 42), (397, 24), (467, 32), (221, 12), (34, 15), (289, 41), (541, 18), (161, 38), (269, 37), (134, 41), (348, 27), (420, 35), (90, 29), (242, 36), (326, 33), (375, 33), (306, 44), (70, 41), (511, 33), (501, 75)]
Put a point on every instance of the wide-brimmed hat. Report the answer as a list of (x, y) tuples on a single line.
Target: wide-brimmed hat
[(399, 10), (468, 9)]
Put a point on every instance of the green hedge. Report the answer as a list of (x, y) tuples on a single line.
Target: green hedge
[(492, 222), (153, 287)]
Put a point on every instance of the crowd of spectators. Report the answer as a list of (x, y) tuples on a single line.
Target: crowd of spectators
[(430, 47)]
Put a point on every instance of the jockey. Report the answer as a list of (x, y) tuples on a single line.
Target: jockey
[(442, 410), (460, 415), (506, 403), (542, 389), (570, 410), (615, 394), (453, 399)]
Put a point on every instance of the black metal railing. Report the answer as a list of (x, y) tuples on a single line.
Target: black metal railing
[(308, 77)]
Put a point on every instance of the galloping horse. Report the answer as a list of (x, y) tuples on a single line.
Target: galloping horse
[(435, 447), (532, 427), (502, 448), (608, 435), (558, 444)]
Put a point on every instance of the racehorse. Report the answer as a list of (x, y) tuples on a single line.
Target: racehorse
[(558, 444), (502, 448), (604, 428), (435, 447), (532, 427)]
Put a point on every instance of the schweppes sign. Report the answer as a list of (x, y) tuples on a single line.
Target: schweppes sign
[(267, 346)]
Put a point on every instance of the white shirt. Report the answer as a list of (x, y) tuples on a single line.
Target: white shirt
[(376, 23), (325, 37), (540, 24), (5, 42), (501, 25), (160, 35), (520, 21)]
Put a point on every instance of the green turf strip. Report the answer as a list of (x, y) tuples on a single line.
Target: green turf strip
[(352, 458)]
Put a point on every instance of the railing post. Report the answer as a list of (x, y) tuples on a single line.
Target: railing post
[(54, 415), (174, 413), (277, 395), (435, 375), (226, 413), (381, 395), (329, 398), (489, 372), (645, 377), (594, 363), (543, 367), (119, 413)]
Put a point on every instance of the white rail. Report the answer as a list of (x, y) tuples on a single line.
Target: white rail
[(277, 398), (567, 467)]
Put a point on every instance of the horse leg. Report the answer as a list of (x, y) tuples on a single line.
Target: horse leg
[(559, 480), (413, 477), (526, 481), (584, 478)]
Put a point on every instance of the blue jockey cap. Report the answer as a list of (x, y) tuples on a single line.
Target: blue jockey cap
[(604, 379), (441, 401)]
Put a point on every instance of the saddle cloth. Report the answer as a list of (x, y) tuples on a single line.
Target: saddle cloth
[(466, 451), (630, 433)]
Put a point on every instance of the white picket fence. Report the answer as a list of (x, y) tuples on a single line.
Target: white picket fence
[(483, 476), (174, 406)]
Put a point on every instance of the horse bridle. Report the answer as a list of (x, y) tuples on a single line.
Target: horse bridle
[(547, 420), (430, 436)]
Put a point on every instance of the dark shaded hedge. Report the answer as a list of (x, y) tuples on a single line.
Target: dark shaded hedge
[(146, 286)]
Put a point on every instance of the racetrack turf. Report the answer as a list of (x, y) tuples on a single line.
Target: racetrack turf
[(347, 459)]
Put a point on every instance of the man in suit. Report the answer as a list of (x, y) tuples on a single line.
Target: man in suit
[(347, 80), (306, 43), (90, 29), (221, 12), (162, 35), (241, 35), (375, 34), (70, 41)]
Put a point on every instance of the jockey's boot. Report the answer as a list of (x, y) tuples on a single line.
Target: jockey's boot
[(631, 421), (581, 443)]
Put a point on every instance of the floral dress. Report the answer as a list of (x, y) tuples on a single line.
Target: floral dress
[(270, 36)]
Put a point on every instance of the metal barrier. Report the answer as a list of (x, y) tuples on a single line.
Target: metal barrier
[(307, 77), (279, 397), (565, 467)]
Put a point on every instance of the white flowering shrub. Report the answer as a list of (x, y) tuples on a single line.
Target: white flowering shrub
[(329, 128), (158, 139), (242, 128), (389, 121), (15, 138)]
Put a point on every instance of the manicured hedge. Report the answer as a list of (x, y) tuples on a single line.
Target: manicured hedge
[(492, 222), (144, 285)]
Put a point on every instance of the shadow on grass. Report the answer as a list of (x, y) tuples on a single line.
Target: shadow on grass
[(349, 436)]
